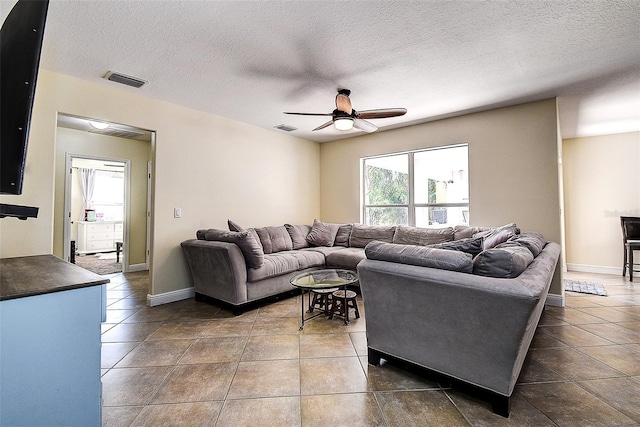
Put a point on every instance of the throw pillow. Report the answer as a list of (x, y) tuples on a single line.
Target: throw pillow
[(250, 248), (422, 256), (531, 240), (344, 233), (322, 233), (495, 236), (298, 234), (200, 234), (465, 231), (405, 235), (505, 261), (471, 245), (234, 226), (274, 239), (363, 234)]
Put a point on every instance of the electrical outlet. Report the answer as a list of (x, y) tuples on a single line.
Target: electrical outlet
[(177, 212)]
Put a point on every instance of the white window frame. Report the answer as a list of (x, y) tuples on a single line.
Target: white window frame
[(411, 205)]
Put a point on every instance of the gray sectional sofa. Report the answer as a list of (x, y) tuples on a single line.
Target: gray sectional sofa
[(473, 328), (242, 266), (463, 302)]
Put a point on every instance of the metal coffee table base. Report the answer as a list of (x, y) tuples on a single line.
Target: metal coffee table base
[(309, 310)]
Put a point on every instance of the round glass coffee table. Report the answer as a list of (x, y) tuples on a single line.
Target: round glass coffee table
[(323, 279)]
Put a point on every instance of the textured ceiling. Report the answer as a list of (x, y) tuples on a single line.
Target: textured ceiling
[(251, 61)]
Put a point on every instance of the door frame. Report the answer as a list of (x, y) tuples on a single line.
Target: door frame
[(67, 204)]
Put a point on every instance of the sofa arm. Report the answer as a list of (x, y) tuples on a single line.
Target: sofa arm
[(218, 269)]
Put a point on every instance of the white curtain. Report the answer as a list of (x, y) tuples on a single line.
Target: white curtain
[(87, 183)]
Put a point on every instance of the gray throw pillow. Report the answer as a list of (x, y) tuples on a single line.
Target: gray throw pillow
[(322, 233), (344, 233), (405, 235), (274, 239), (298, 234), (422, 256), (200, 234), (531, 240), (234, 226), (495, 236), (250, 248), (505, 261), (361, 234), (471, 245)]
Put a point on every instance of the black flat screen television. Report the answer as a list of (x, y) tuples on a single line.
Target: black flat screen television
[(20, 46)]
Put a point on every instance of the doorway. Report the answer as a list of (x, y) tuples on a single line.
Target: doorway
[(97, 196), (124, 154)]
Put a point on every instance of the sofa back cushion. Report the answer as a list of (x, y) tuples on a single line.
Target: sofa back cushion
[(298, 234), (405, 235), (322, 233), (249, 246), (505, 261), (361, 234), (423, 256), (274, 239)]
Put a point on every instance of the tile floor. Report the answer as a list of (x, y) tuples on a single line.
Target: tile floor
[(191, 364)]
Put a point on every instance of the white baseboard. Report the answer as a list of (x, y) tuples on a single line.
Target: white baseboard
[(173, 296), (555, 300), (138, 267), (596, 269)]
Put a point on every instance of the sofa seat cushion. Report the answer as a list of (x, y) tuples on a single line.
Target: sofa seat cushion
[(274, 239), (346, 258), (285, 262), (308, 259), (505, 261), (423, 256), (405, 235), (361, 234)]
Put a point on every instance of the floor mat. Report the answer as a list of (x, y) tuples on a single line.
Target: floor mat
[(584, 287)]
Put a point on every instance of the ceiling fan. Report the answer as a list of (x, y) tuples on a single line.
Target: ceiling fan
[(344, 117)]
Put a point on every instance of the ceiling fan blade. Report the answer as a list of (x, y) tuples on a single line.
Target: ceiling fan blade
[(329, 123), (381, 113), (311, 114), (364, 125)]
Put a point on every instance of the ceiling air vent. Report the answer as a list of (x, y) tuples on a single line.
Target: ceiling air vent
[(286, 128), (124, 79)]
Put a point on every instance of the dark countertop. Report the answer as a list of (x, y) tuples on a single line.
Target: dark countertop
[(42, 274)]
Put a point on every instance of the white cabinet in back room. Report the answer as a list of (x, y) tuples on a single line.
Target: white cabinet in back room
[(98, 236)]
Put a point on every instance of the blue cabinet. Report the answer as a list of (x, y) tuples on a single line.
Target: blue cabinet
[(50, 358)]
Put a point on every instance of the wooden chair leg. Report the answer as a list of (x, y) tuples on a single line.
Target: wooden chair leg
[(624, 264)]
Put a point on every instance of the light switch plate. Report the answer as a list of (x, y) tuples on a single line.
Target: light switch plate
[(177, 212)]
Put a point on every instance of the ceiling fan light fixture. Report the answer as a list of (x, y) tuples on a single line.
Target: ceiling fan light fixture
[(98, 125), (343, 123)]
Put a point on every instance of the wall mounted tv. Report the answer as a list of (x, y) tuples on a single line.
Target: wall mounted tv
[(20, 46)]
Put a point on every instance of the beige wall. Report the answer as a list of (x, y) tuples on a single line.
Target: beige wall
[(602, 183), (513, 166), (211, 167), (85, 143)]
